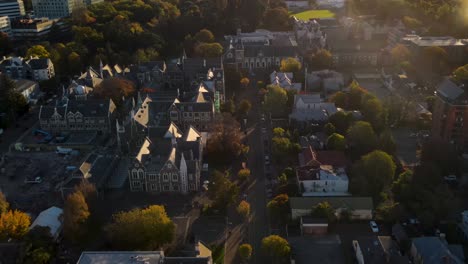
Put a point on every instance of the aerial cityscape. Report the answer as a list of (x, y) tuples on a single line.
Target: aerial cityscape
[(233, 131)]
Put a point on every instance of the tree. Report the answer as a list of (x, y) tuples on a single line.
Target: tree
[(14, 224), (75, 216), (244, 107), (400, 53), (461, 73), (40, 256), (411, 22), (276, 19), (74, 62), (372, 174), (204, 36), (290, 65), (243, 174), (114, 88), (209, 50), (245, 252), (4, 205), (340, 99), (387, 142), (278, 207), (324, 210), (276, 99), (336, 142), (244, 209), (228, 107), (373, 112), (434, 59), (6, 44), (37, 51), (276, 247), (361, 138), (141, 229), (11, 101), (320, 60), (329, 129), (341, 121), (221, 190), (245, 82), (225, 140)]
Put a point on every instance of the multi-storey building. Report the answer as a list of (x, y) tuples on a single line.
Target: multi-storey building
[(5, 25), (28, 29), (168, 161), (455, 48), (37, 69), (12, 8), (450, 115), (77, 115)]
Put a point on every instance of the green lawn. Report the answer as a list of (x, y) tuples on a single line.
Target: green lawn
[(306, 15)]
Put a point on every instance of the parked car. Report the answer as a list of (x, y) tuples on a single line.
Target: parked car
[(267, 160), (450, 178), (374, 226)]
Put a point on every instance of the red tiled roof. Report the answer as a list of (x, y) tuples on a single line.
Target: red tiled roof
[(333, 158), (308, 173)]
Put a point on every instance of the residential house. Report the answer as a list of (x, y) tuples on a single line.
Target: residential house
[(450, 114), (434, 250), (322, 181), (51, 218), (284, 80), (77, 115), (5, 25), (313, 226), (168, 161), (261, 49), (326, 81), (310, 108), (377, 250), (359, 207)]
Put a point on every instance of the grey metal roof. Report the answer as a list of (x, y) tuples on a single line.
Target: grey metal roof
[(434, 251), (448, 89)]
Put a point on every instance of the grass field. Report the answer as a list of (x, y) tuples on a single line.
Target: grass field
[(306, 15)]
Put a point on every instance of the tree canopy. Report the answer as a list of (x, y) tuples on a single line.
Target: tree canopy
[(244, 209), (324, 210), (14, 224), (290, 65), (225, 140), (276, 246), (141, 229), (245, 252), (37, 51), (320, 60), (221, 190), (4, 205), (361, 137), (279, 206), (276, 99), (461, 73), (75, 216), (336, 142)]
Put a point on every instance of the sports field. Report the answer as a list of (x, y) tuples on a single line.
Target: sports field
[(314, 13)]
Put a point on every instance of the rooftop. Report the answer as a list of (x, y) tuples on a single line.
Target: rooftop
[(353, 203), (434, 250), (121, 257)]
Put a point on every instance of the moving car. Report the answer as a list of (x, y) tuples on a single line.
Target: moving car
[(374, 226)]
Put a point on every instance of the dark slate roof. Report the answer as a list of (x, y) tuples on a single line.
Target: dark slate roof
[(271, 51), (196, 107), (90, 107), (37, 64), (450, 90), (353, 203), (196, 64), (434, 251)]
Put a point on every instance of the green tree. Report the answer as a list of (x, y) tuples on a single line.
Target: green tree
[(276, 99), (278, 207), (336, 142), (141, 229), (341, 120), (400, 53), (329, 129), (324, 210), (411, 22), (387, 142), (361, 138), (74, 62), (75, 216), (245, 252), (373, 112), (37, 51), (4, 205), (244, 209), (209, 50), (434, 59), (243, 174), (221, 190), (244, 107), (276, 247), (461, 73), (320, 60), (276, 19), (372, 174), (290, 65), (14, 224), (340, 99), (40, 256), (11, 101), (204, 36)]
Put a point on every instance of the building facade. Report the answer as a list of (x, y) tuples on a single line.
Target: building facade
[(12, 8), (53, 8), (31, 29), (36, 69), (170, 162), (450, 114), (77, 115), (5, 25)]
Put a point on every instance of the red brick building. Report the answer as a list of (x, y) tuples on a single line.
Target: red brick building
[(450, 114)]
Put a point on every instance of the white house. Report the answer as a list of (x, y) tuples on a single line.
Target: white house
[(322, 181), (51, 218), (311, 108), (284, 80), (29, 89), (359, 207)]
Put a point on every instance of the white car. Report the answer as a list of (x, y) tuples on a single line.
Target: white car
[(374, 226), (267, 160)]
